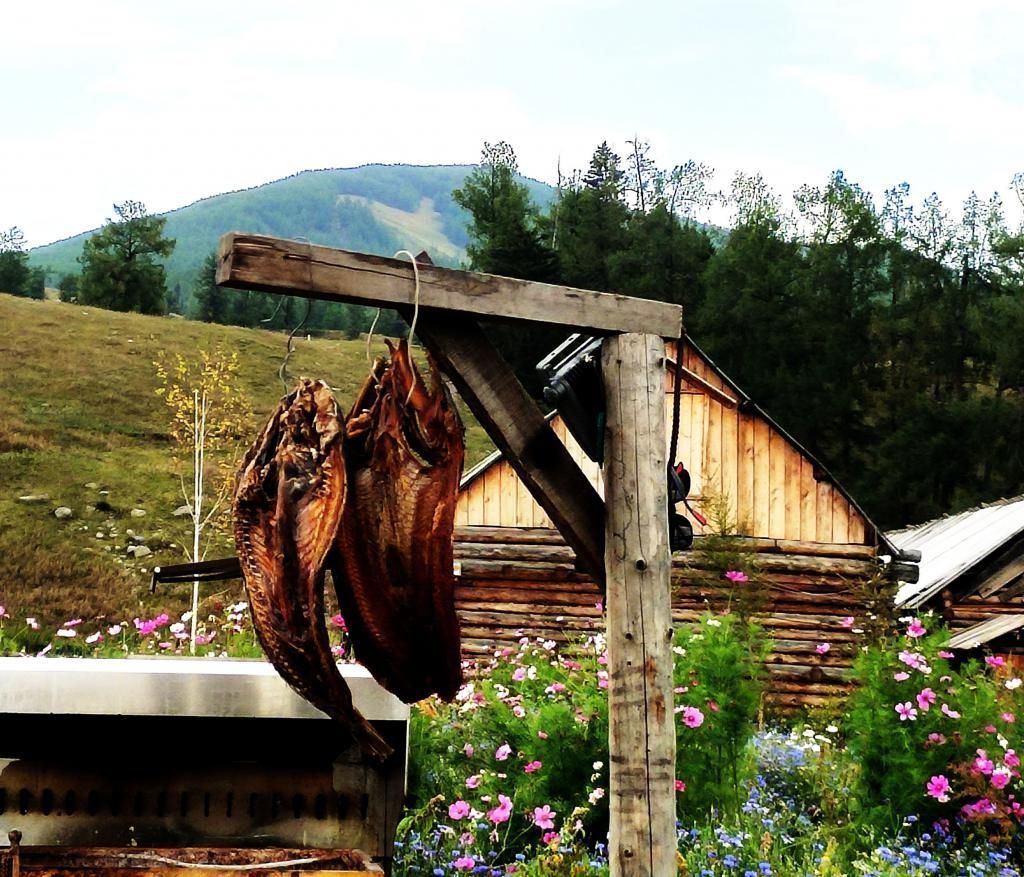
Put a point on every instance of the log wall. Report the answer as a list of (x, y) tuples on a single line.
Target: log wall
[(772, 487), (515, 582)]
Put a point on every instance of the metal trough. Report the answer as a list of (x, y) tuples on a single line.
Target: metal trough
[(169, 756)]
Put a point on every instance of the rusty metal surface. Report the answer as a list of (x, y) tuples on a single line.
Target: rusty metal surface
[(201, 687)]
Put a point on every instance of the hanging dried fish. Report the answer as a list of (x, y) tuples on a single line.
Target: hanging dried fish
[(288, 500), (393, 564)]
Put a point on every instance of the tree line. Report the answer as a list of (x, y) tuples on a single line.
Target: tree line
[(885, 338)]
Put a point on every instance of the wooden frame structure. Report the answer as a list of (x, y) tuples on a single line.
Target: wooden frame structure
[(624, 546)]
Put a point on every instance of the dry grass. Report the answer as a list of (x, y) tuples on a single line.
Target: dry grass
[(78, 406)]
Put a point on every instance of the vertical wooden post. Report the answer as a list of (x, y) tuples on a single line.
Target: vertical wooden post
[(642, 745)]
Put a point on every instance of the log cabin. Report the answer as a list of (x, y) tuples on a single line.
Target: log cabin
[(816, 556), (972, 576)]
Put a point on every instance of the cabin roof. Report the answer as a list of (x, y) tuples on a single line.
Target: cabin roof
[(986, 631), (955, 544), (748, 404)]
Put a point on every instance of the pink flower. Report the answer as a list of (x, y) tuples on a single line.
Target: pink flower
[(464, 863), (906, 711), (468, 750), (543, 735), (3, 612), (1000, 777), (937, 739), (1008, 717), (473, 781), (519, 674), (466, 838), (680, 786), (31, 622), (458, 810), (945, 654), (532, 767), (550, 837), (910, 659), (543, 817), (990, 729), (995, 661), (338, 651), (692, 717), (503, 752), (74, 622), (599, 606), (947, 711), (339, 622), (735, 575), (938, 788), (94, 638), (901, 676), (518, 711), (847, 621), (502, 812), (1011, 759), (916, 629), (925, 699), (822, 648), (166, 646), (983, 764), (555, 688)]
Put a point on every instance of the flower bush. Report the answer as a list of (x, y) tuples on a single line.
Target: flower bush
[(932, 739)]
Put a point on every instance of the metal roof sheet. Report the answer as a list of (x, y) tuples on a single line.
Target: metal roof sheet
[(986, 631), (951, 545)]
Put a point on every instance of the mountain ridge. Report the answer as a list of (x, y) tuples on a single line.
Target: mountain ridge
[(340, 207)]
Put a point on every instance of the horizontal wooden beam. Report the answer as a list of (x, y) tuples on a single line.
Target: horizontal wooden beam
[(490, 388), (269, 264)]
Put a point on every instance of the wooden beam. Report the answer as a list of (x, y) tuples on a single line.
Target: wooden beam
[(514, 422), (269, 264), (641, 722), (692, 377)]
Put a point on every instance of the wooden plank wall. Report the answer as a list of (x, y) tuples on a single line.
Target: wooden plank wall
[(768, 484), (522, 582)]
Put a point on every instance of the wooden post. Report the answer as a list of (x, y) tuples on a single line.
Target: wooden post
[(642, 745)]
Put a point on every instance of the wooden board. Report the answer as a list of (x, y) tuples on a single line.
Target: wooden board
[(641, 736), (271, 264)]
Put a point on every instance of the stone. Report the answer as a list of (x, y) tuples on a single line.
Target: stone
[(62, 512), (33, 497), (182, 510), (91, 485), (138, 551), (100, 535), (138, 513)]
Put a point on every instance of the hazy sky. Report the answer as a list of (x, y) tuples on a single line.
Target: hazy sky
[(172, 101)]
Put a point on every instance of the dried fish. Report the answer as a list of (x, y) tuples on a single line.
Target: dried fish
[(288, 501), (393, 563)]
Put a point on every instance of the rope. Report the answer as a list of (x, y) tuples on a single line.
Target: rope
[(415, 312), (674, 445)]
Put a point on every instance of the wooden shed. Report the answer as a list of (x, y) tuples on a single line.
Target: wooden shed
[(815, 550), (972, 575)]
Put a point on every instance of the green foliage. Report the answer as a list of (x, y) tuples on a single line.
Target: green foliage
[(16, 275), (718, 677), (120, 267)]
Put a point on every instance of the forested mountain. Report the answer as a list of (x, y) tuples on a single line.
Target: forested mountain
[(374, 208)]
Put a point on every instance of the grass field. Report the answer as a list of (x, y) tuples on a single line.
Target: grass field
[(82, 426)]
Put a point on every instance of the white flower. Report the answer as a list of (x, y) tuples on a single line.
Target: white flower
[(177, 627), (68, 632), (94, 637), (809, 733), (187, 616), (465, 693), (831, 729), (114, 629), (714, 622), (596, 795), (1012, 683), (598, 765)]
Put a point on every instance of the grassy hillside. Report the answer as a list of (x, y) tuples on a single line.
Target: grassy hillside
[(81, 426), (376, 209)]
